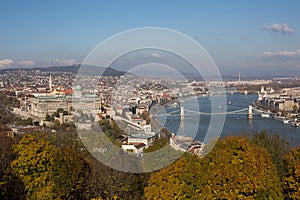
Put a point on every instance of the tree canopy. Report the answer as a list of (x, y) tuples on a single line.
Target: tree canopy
[(57, 166), (234, 169), (291, 177), (34, 164)]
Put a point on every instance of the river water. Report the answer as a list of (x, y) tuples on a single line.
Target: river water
[(236, 124)]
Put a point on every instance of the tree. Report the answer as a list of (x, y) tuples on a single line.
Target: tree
[(34, 164), (48, 117), (11, 187), (108, 183), (234, 169), (6, 153), (158, 144), (291, 177), (36, 123), (177, 181), (25, 122), (60, 110), (55, 114), (70, 170), (144, 114), (148, 120), (274, 144), (295, 108), (71, 108)]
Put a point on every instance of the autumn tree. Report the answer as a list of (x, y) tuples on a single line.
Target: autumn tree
[(177, 181), (234, 169), (291, 177), (34, 164), (144, 114)]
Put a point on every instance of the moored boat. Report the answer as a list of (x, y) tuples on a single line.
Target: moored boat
[(265, 115), (295, 124)]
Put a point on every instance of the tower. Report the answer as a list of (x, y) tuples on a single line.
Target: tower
[(50, 83), (250, 113), (239, 77), (181, 113), (262, 90)]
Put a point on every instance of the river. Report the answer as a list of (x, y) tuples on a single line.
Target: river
[(236, 124)]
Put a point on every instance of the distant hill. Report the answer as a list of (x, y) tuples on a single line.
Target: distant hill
[(85, 70)]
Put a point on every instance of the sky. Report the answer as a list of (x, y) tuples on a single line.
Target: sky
[(242, 36)]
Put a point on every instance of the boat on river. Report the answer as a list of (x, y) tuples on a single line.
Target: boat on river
[(295, 124), (265, 115)]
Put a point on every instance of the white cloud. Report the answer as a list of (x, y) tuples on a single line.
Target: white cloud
[(155, 55), (6, 62), (63, 62), (26, 63), (278, 28), (282, 54)]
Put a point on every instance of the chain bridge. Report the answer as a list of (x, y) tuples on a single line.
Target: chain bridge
[(250, 111)]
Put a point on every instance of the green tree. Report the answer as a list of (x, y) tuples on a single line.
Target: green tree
[(48, 117), (55, 114), (291, 177), (70, 170), (11, 187), (71, 108), (65, 112), (36, 123), (60, 110), (108, 183), (25, 122), (6, 153), (158, 144), (274, 144)]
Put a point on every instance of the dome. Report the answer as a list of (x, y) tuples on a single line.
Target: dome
[(78, 87)]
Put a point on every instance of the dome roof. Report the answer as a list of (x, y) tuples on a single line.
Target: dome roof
[(78, 87)]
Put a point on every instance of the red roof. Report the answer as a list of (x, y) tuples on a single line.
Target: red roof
[(68, 91)]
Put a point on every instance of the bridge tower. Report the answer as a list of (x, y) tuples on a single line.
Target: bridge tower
[(250, 113), (181, 113)]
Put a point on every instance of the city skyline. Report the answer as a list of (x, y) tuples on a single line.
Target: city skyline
[(260, 36)]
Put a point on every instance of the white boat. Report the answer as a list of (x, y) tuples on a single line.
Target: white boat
[(285, 121), (265, 115)]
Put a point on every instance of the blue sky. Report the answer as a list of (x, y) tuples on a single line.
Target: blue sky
[(239, 35)]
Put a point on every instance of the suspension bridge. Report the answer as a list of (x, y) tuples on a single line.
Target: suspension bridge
[(250, 111)]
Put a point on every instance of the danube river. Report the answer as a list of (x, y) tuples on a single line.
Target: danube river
[(237, 124)]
